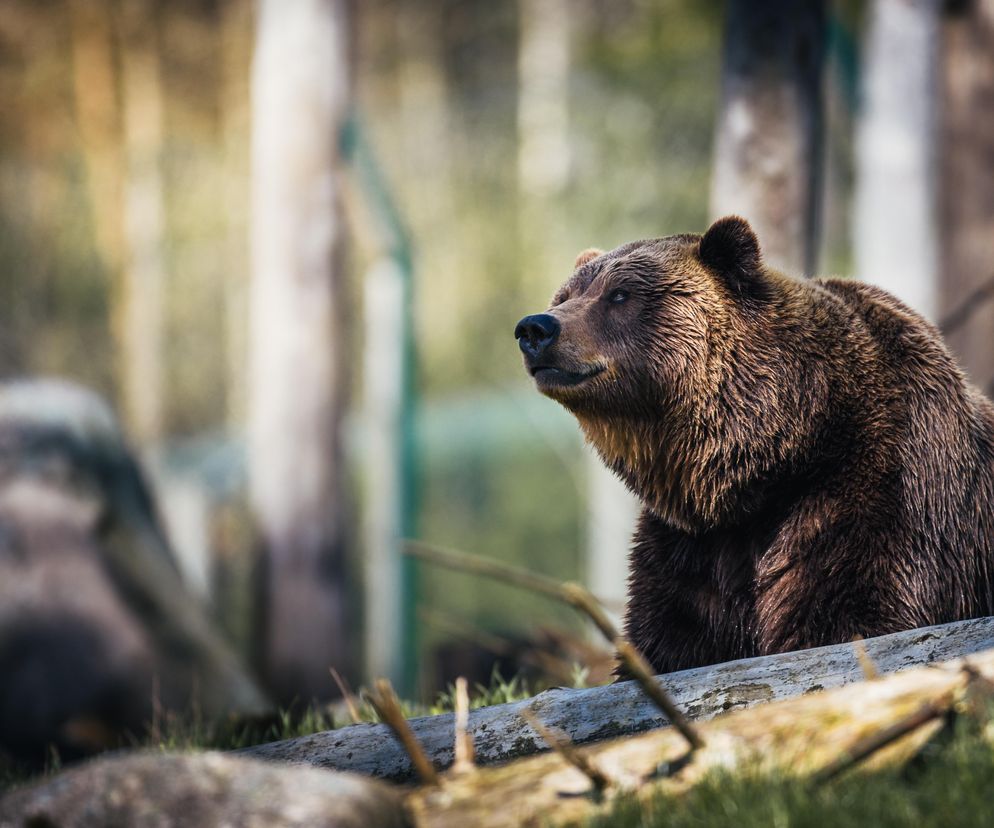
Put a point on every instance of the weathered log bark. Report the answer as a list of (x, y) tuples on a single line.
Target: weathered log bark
[(815, 736), (499, 733)]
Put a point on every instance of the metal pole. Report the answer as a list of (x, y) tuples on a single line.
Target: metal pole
[(391, 404)]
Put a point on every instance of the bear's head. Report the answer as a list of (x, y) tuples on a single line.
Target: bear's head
[(640, 337), (634, 328)]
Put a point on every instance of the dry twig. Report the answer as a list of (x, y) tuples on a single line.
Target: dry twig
[(384, 702), (870, 744), (978, 690), (963, 312), (580, 599), (561, 744), (559, 669)]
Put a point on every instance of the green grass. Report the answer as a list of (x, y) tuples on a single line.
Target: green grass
[(189, 733), (950, 784)]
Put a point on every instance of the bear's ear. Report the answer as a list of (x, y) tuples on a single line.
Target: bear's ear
[(587, 255), (730, 248)]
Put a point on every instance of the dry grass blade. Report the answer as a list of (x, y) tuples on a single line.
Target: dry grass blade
[(580, 599), (870, 671), (464, 753), (384, 702), (347, 696)]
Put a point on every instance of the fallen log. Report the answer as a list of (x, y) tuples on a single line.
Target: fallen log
[(815, 737), (500, 733)]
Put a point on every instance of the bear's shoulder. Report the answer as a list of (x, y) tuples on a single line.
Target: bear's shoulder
[(887, 319)]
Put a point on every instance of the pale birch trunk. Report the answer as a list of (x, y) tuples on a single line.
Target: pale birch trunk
[(141, 301), (300, 97), (543, 102)]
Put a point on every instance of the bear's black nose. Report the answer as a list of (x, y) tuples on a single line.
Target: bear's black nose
[(536, 333)]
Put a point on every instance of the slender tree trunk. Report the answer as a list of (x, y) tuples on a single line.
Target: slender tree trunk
[(141, 303), (543, 96), (97, 115), (235, 55), (301, 89), (966, 186), (768, 146), (544, 147), (894, 218), (427, 136)]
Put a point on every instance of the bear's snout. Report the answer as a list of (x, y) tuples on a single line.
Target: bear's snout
[(535, 333)]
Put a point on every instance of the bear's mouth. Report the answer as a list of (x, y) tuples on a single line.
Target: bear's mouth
[(554, 376)]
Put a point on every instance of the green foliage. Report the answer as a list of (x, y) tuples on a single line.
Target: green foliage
[(498, 691)]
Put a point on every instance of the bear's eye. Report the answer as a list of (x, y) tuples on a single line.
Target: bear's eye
[(616, 297)]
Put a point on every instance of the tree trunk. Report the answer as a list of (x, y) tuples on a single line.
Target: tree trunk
[(140, 311), (768, 146), (544, 148), (97, 114), (235, 35), (543, 87), (966, 186), (301, 88), (894, 216)]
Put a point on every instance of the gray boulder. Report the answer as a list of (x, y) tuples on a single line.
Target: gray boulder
[(208, 790)]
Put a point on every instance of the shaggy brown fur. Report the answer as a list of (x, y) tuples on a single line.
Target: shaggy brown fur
[(812, 464)]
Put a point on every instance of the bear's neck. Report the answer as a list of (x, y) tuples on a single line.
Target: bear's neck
[(650, 459), (690, 470)]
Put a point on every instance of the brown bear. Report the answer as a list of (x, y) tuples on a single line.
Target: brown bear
[(812, 464)]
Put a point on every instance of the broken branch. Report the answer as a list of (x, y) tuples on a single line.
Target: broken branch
[(561, 744), (384, 702)]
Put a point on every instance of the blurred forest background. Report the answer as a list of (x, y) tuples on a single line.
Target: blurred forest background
[(470, 150)]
